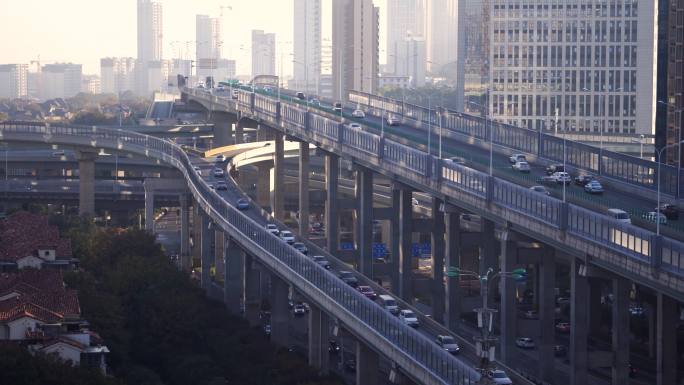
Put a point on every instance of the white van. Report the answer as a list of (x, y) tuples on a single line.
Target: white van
[(619, 215), (388, 303)]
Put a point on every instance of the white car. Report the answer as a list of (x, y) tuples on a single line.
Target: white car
[(409, 318), (354, 125), (220, 158), (593, 187), (197, 170), (287, 236), (219, 173), (448, 343), (515, 158), (499, 377), (653, 216), (524, 343), (561, 177), (392, 121), (358, 113), (273, 229), (319, 259), (521, 166)]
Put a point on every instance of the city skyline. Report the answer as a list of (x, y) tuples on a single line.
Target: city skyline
[(56, 30)]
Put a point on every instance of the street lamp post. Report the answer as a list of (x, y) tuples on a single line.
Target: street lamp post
[(486, 341), (440, 113), (659, 153)]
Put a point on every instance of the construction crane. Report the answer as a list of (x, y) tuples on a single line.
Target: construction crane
[(229, 7)]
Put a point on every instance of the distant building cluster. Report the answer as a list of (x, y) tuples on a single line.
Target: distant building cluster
[(36, 309)]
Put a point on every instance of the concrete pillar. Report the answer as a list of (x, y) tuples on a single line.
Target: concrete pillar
[(319, 330), (223, 129), (508, 309), (185, 233), (304, 168), (666, 340), (547, 315), (239, 132), (452, 309), (264, 184), (332, 216), (488, 246), (579, 324), (219, 254), (149, 209), (207, 251), (367, 365), (86, 182), (280, 315), (279, 179), (620, 331), (251, 298), (595, 306), (437, 260), (394, 245), (233, 260), (405, 250), (364, 215)]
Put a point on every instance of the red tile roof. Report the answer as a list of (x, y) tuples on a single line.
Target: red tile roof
[(22, 234), (41, 295)]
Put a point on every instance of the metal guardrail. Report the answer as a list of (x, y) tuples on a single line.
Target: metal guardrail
[(633, 249), (409, 349), (619, 167)]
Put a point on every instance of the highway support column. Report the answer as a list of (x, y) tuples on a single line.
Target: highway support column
[(452, 317), (207, 252), (666, 340), (332, 215), (620, 331), (263, 185), (319, 330), (367, 364), (508, 308), (280, 316), (304, 169), (223, 129), (279, 178), (579, 324), (185, 258), (405, 264), (149, 208), (86, 182), (251, 297), (438, 229), (233, 260), (547, 314), (364, 216)]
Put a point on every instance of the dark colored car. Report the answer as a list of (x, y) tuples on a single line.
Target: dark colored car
[(560, 350), (301, 96), (554, 168), (367, 291), (348, 278), (334, 347), (350, 365), (242, 204), (670, 211), (337, 107), (301, 247), (582, 180)]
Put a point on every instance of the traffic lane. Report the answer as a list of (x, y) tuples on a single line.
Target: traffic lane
[(234, 193)]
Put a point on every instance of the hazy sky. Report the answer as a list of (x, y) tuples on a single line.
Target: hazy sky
[(83, 31)]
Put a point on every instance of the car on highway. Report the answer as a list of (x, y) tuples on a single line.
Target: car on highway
[(358, 113), (515, 158), (287, 236), (619, 215), (350, 365), (545, 179), (218, 173), (531, 314), (561, 177), (298, 309), (563, 327), (321, 260), (197, 170), (315, 102), (337, 107), (582, 180), (554, 168), (212, 186), (267, 329), (652, 216), (388, 303), (334, 347), (242, 204), (221, 185), (220, 158), (458, 160), (409, 318), (392, 121), (670, 211), (499, 377), (301, 96), (301, 247), (524, 343), (447, 343), (234, 95), (560, 350), (273, 229), (58, 153), (367, 291), (354, 125), (348, 278), (594, 187), (521, 166), (540, 189)]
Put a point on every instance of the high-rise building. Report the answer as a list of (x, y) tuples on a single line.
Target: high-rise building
[(61, 80), (263, 53), (149, 31), (355, 31), (475, 43), (91, 84), (158, 76), (307, 44), (117, 74), (14, 81), (411, 52), (669, 122), (580, 67), (442, 36), (405, 19), (208, 43)]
